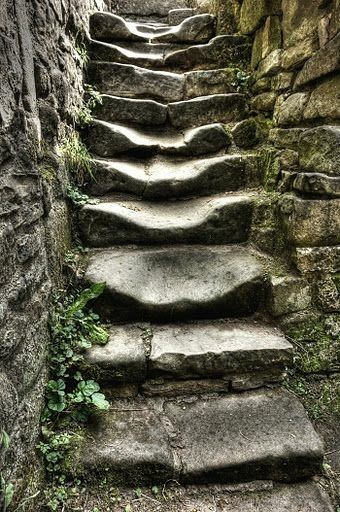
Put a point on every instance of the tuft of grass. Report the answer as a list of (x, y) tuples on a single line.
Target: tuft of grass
[(76, 158)]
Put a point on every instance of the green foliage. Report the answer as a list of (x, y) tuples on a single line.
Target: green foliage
[(76, 158), (317, 345), (82, 52), (69, 397), (92, 98), (78, 198), (241, 80), (6, 488)]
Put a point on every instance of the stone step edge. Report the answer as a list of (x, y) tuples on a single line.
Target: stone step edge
[(134, 355), (208, 439)]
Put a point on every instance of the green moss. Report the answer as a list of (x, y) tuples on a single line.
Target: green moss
[(317, 345), (271, 168)]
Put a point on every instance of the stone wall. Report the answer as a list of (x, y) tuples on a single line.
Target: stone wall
[(296, 82), (41, 86)]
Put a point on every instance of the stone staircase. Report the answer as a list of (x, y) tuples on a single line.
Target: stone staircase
[(192, 367)]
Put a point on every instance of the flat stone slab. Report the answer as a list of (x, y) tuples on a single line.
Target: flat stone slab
[(212, 349), (255, 435), (176, 16), (217, 108), (131, 81), (136, 82), (263, 434), (176, 282), (114, 109), (317, 184), (130, 446), (108, 139), (219, 220), (122, 359), (221, 51), (166, 178), (108, 27)]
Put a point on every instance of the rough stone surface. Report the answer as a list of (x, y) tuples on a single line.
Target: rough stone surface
[(317, 184), (164, 178), (218, 220), (311, 222), (144, 112), (107, 139), (290, 111), (252, 13), (212, 439), (271, 65), (218, 349), (215, 434), (211, 81), (324, 61), (132, 81), (318, 259), (148, 7), (218, 108), (319, 150), (289, 295), (132, 442), (41, 85), (264, 102), (177, 282), (176, 16), (246, 134), (324, 102), (221, 51), (122, 359)]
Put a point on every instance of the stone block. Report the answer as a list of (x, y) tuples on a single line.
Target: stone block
[(253, 12), (264, 102), (288, 294), (300, 21), (290, 111), (324, 102), (271, 65), (319, 150), (283, 81), (311, 223), (295, 56), (317, 184), (271, 38), (256, 54), (324, 61), (286, 138), (317, 259), (246, 134)]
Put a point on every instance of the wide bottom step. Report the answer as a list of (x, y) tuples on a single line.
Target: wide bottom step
[(258, 435)]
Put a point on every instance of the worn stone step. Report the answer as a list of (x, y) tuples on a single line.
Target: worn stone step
[(221, 51), (148, 7), (218, 220), (115, 109), (217, 108), (108, 139), (189, 113), (257, 435), (165, 178), (176, 16), (191, 357), (109, 27), (134, 82), (176, 282)]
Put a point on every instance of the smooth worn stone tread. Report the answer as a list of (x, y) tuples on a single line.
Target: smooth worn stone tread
[(216, 108), (165, 178), (109, 27), (215, 220), (243, 354), (108, 139), (220, 52), (131, 81), (257, 435), (176, 282)]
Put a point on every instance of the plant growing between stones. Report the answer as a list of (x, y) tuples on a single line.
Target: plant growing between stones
[(76, 157), (93, 98), (78, 198), (70, 398)]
